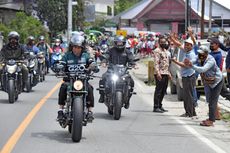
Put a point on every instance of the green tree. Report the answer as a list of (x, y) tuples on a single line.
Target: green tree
[(25, 26), (122, 5), (54, 12)]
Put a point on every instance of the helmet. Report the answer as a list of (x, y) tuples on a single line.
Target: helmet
[(30, 38), (41, 38), (120, 42), (57, 40), (13, 34), (203, 49), (77, 40)]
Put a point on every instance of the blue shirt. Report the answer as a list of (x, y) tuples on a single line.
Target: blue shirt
[(218, 57), (186, 72)]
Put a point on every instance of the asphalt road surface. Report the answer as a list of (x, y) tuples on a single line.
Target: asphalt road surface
[(29, 126)]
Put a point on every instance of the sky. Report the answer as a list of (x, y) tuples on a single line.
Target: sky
[(225, 3)]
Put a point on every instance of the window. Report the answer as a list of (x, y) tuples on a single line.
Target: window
[(109, 10)]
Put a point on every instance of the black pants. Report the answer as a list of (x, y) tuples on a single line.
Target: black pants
[(160, 90), (63, 95), (213, 98), (188, 96)]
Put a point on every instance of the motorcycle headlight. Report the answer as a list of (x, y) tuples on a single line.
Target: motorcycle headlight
[(78, 85), (114, 77), (11, 68), (32, 64)]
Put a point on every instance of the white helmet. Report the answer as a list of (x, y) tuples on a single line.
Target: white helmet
[(77, 40)]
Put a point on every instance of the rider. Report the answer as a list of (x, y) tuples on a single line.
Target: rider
[(30, 46), (44, 47), (76, 55), (14, 50), (57, 46), (117, 55)]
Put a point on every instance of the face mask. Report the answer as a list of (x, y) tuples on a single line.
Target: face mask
[(57, 44), (211, 48), (164, 46)]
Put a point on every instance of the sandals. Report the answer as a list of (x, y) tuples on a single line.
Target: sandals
[(207, 123)]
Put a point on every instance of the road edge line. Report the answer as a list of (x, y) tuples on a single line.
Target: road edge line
[(12, 141)]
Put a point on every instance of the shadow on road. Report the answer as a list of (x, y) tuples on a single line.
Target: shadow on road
[(61, 136)]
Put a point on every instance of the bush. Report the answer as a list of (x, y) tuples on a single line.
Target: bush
[(25, 26)]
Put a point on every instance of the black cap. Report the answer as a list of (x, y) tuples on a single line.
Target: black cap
[(214, 40)]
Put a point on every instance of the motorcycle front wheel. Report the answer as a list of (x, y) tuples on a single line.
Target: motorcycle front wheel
[(77, 111), (11, 91), (117, 105)]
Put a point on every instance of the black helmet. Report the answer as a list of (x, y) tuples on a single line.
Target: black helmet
[(13, 34), (120, 42), (77, 40)]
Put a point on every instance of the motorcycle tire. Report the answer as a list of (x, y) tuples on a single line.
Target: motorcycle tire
[(28, 85), (11, 91), (77, 110), (117, 105), (70, 128)]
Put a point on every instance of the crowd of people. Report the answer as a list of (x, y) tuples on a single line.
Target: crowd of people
[(196, 60)]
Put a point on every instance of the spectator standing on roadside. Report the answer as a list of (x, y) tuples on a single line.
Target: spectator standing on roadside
[(162, 74), (212, 78), (188, 75)]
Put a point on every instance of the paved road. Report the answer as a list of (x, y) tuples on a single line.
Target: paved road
[(138, 130)]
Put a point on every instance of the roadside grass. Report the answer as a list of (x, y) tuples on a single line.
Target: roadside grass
[(225, 116)]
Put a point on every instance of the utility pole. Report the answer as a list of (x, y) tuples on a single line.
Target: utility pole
[(186, 15), (70, 18), (210, 18), (202, 20)]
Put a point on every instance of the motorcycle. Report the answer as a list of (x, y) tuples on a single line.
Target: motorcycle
[(33, 76), (11, 79), (75, 110), (55, 58), (117, 90), (41, 66)]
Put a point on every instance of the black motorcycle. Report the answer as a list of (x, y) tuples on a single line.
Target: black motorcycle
[(11, 79), (33, 76), (117, 90), (75, 111), (41, 66)]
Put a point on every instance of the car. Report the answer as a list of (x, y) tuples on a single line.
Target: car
[(176, 82)]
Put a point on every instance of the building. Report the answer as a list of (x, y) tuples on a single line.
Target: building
[(8, 9), (102, 8), (169, 15)]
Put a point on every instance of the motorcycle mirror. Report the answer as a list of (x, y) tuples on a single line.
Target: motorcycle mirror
[(136, 59)]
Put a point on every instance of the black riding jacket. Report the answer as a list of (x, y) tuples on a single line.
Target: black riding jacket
[(121, 57), (8, 52)]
